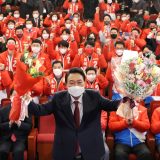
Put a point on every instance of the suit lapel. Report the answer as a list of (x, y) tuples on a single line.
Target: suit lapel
[(66, 107), (86, 108)]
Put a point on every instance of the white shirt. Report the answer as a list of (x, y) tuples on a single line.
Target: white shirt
[(80, 105)]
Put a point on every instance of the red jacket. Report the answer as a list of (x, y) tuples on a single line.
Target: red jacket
[(114, 7), (100, 24), (109, 50), (142, 124), (155, 121), (157, 52), (97, 61), (32, 33), (104, 120), (66, 59), (5, 80), (145, 33), (99, 84), (20, 43), (85, 31), (127, 26), (44, 59), (51, 86), (9, 33), (138, 44), (10, 63), (73, 7)]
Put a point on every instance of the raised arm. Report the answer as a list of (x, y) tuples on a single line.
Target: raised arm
[(41, 110), (106, 104)]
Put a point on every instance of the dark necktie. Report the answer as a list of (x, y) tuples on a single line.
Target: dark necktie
[(76, 114), (77, 122)]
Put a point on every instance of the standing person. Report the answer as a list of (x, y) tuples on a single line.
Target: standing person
[(89, 8), (25, 7), (44, 7), (77, 112)]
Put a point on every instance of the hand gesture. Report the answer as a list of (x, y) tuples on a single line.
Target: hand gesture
[(97, 9), (99, 51), (80, 51)]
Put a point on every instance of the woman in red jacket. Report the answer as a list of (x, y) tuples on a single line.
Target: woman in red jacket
[(73, 6)]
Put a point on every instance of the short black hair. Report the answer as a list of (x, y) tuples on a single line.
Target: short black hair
[(120, 42), (11, 39), (63, 43), (91, 43), (20, 27), (29, 19), (136, 29), (37, 41), (107, 16), (90, 69), (114, 28), (68, 19), (66, 30), (46, 29), (74, 71), (56, 62), (76, 13), (11, 21)]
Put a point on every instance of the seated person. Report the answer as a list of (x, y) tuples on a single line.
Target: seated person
[(130, 127), (95, 81), (155, 123), (13, 135)]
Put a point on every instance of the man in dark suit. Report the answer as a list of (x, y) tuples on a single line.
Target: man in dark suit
[(13, 135), (36, 18), (77, 112)]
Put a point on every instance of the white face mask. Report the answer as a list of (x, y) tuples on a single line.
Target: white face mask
[(89, 24), (1, 18), (16, 15), (158, 22), (29, 26), (75, 19), (109, 1), (63, 50), (54, 18), (119, 52), (136, 1), (11, 26), (91, 77), (75, 91), (35, 15), (36, 49), (57, 72), (68, 26), (158, 38), (45, 36), (124, 18), (65, 37)]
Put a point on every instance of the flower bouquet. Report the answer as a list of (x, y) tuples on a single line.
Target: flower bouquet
[(29, 71), (137, 77)]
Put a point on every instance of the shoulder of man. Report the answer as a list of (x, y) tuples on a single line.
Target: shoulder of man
[(92, 92)]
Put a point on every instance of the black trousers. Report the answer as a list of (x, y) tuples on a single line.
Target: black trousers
[(17, 148), (142, 152), (158, 147)]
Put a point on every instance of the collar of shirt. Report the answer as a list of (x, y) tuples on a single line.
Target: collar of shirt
[(79, 99)]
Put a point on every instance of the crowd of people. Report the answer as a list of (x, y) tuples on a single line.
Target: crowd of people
[(88, 34)]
